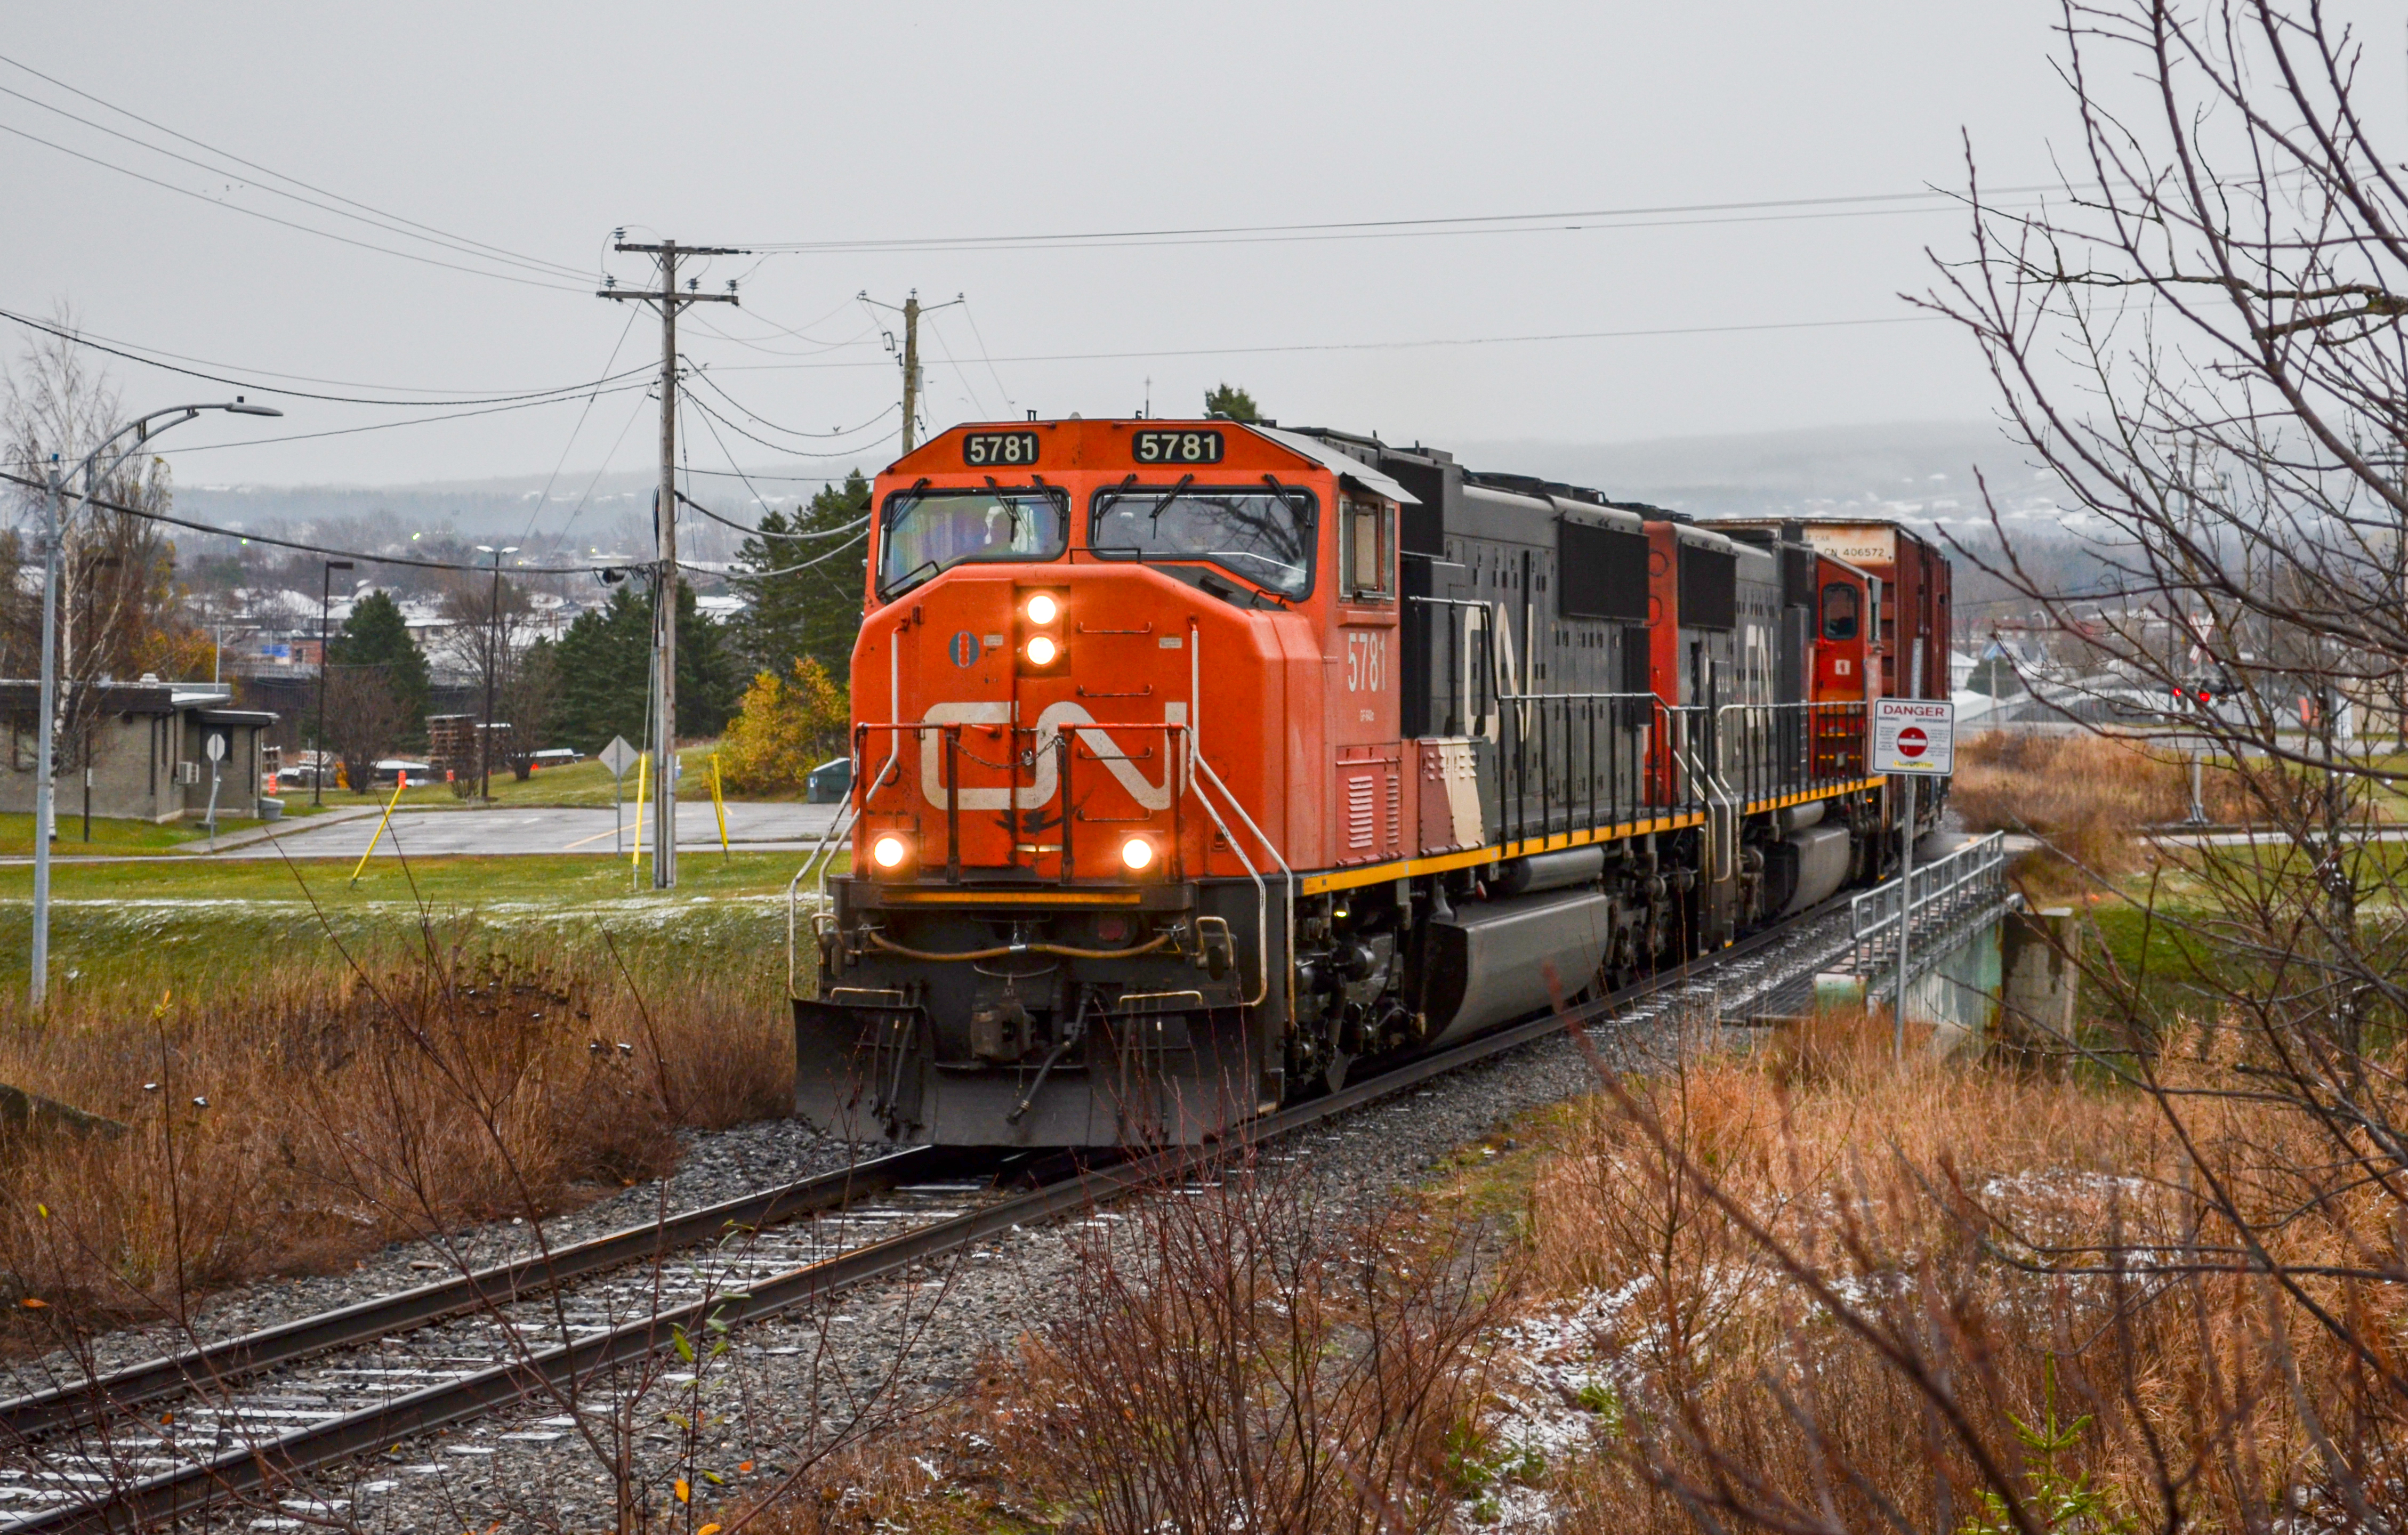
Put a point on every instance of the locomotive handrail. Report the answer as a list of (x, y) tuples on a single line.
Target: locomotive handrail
[(1791, 764), (1262, 917), (829, 839), (1627, 746)]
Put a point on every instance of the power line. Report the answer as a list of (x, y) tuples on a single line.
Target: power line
[(543, 497), (702, 375), (106, 505), (535, 395), (599, 470), (777, 479), (790, 569), (1843, 206), (1395, 346), (288, 223), (757, 497), (692, 505), (379, 222), (704, 405), (409, 421), (253, 165), (1009, 403)]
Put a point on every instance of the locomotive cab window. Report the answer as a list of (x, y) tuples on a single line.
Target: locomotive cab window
[(1370, 552), (1840, 614), (1264, 535), (926, 532)]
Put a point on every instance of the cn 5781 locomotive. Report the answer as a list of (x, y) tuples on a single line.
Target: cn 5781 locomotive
[(1198, 764)]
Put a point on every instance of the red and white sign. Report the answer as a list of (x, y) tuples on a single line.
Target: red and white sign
[(1915, 735)]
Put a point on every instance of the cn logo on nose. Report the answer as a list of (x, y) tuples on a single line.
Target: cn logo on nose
[(1912, 741)]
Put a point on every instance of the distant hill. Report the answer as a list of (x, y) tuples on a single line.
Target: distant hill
[(1920, 470)]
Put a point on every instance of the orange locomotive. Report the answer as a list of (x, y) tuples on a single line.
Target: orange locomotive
[(1195, 762)]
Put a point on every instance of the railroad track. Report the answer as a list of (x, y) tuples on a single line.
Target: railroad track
[(254, 1415)]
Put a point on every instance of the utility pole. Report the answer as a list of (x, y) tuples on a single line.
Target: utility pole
[(911, 312), (912, 370), (667, 301), (318, 736), (493, 668)]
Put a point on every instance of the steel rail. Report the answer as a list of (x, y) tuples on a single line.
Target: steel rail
[(281, 1461), (85, 1402)]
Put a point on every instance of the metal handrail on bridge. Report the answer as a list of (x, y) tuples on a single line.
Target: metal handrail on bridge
[(1947, 894)]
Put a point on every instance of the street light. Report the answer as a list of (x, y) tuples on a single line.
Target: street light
[(492, 666), (318, 736), (45, 788)]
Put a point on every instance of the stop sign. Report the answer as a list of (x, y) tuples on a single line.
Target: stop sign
[(1910, 741)]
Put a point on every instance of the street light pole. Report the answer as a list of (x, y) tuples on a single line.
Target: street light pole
[(492, 666), (318, 736), (46, 782)]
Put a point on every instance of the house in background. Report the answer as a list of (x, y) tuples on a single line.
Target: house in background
[(149, 756)]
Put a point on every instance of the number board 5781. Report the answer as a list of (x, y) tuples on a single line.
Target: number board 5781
[(998, 450), (1177, 447)]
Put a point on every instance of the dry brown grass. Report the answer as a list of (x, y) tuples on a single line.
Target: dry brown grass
[(1226, 1356), (292, 1120), (1802, 1244), (2087, 796)]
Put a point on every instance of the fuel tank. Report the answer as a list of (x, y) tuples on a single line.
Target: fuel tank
[(1494, 961)]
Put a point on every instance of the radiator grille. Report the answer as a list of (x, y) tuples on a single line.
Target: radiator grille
[(1361, 828)]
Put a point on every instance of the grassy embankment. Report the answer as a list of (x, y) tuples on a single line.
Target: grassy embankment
[(460, 1040)]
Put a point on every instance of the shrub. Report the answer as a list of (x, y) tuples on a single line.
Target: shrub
[(785, 726)]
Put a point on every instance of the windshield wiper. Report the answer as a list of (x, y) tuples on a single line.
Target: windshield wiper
[(897, 586), (1154, 518), (1113, 497)]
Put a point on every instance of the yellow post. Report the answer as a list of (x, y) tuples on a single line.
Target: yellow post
[(400, 782), (719, 805), (643, 792)]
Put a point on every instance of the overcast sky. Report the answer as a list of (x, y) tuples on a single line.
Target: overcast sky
[(537, 129)]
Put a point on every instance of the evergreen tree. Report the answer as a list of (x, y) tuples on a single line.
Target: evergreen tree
[(376, 637), (815, 610), (1229, 400), (604, 665)]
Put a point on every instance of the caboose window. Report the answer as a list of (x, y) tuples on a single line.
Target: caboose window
[(934, 530), (1264, 536), (1839, 611)]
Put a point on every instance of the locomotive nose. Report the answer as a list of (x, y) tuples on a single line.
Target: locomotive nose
[(1043, 716)]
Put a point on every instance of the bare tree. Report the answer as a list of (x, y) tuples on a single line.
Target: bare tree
[(2200, 338), (490, 639), (119, 609), (363, 721)]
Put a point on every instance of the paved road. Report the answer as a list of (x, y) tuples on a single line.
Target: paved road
[(510, 830)]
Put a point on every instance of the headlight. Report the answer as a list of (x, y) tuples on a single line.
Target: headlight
[(1042, 651), (1137, 855), (889, 851), (1042, 608)]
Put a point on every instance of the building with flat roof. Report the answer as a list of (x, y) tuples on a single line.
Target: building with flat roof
[(148, 750)]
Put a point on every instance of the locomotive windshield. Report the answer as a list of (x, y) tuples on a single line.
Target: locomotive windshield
[(1262, 534), (932, 530)]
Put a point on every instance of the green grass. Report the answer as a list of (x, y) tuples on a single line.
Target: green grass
[(187, 925), (542, 879)]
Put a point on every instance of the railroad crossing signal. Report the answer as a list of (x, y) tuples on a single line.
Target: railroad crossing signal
[(1915, 735)]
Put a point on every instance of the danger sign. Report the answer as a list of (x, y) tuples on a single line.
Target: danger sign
[(1915, 735)]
